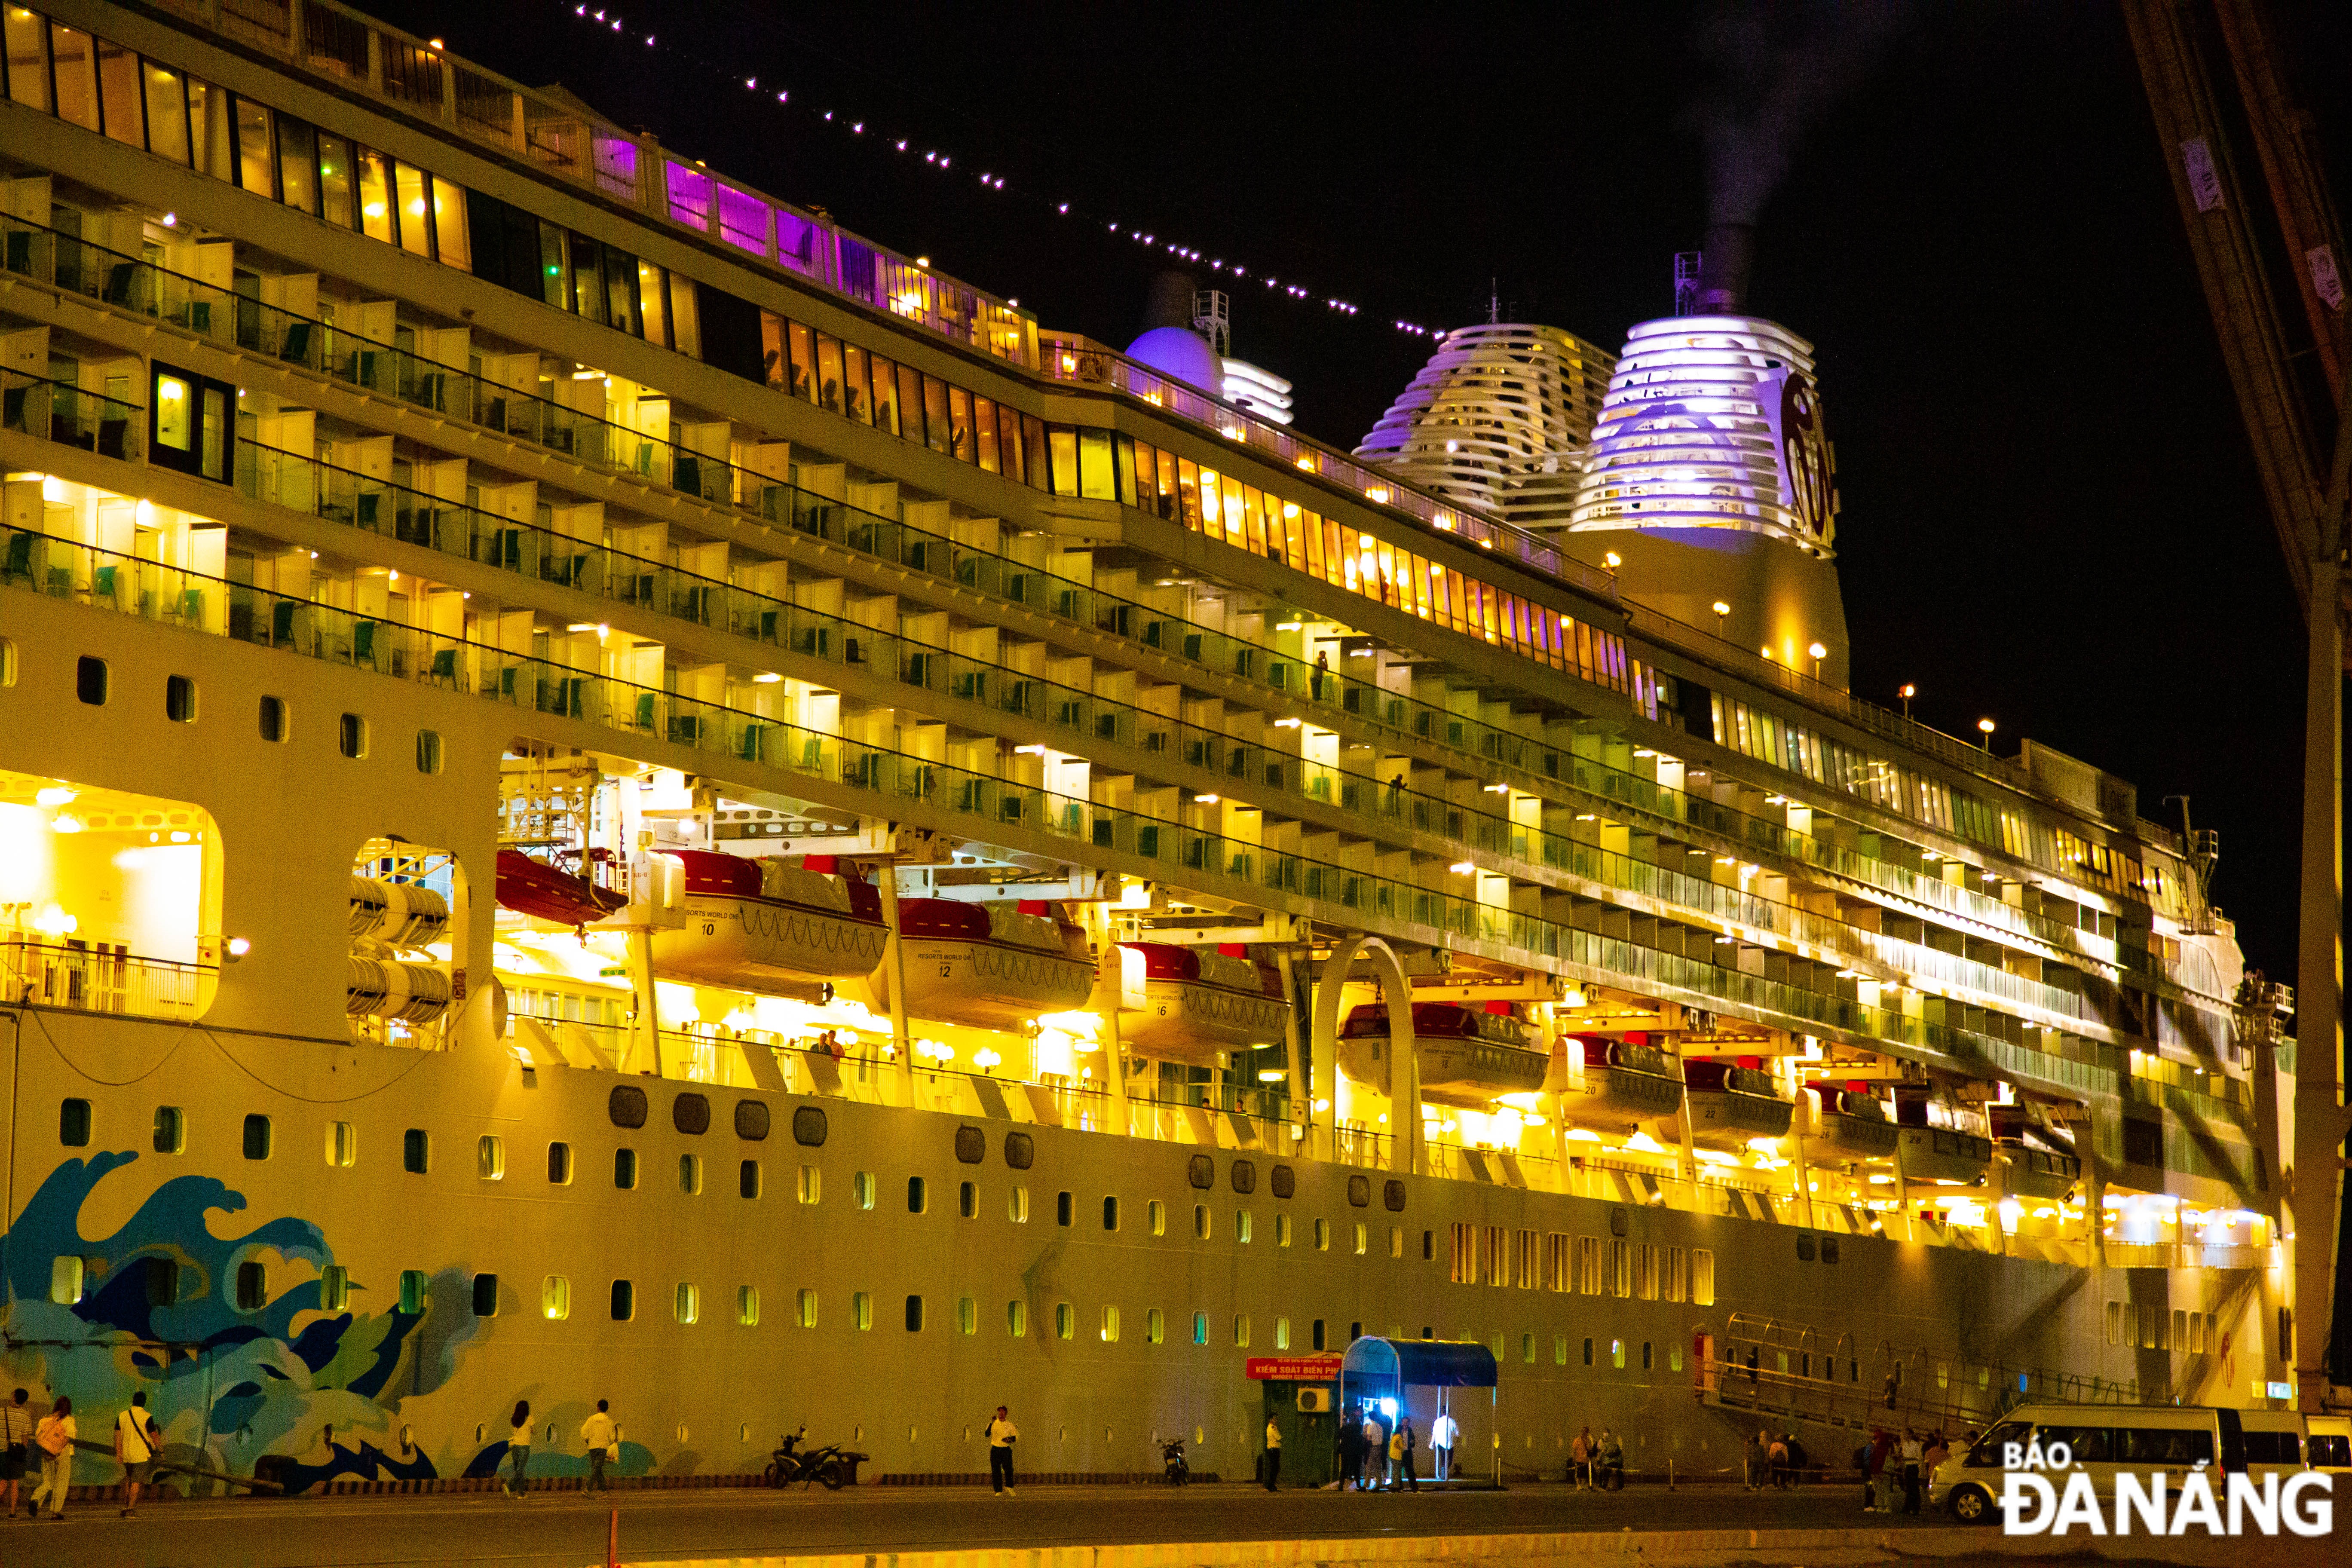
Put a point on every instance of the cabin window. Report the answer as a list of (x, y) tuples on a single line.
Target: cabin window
[(1646, 1355), (1621, 1269), (342, 1143), (1020, 1151), (811, 1183), (351, 736), (252, 1286), (416, 1291), (747, 1179), (1678, 1273), (73, 1123), (485, 1295), (1359, 1191), (918, 1199), (966, 1315), (1244, 1176), (752, 1121), (1241, 1330), (556, 1298), (1392, 1194), (1617, 1354), (624, 1301), (180, 698), (689, 1174), (490, 1157), (1200, 1328), (1016, 1206), (1322, 1235), (559, 1164), (416, 1151), (1363, 1238), (971, 1145), (1241, 1227), (1110, 1212), (428, 750), (1284, 1182), (1200, 1221), (1155, 1326), (334, 1288), (968, 1199), (861, 1190), (804, 1309), (89, 680), (171, 1131), (1156, 1213), (66, 1281), (273, 720), (1064, 1209), (914, 1314), (1804, 1248), (747, 1306), (686, 1304), (257, 1138), (1016, 1319), (1202, 1171), (1645, 1272), (626, 1106), (1282, 1333), (1829, 1249), (624, 1169), (861, 1311), (1282, 1230), (1702, 1276), (690, 1114)]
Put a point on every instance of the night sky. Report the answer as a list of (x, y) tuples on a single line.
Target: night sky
[(2050, 511)]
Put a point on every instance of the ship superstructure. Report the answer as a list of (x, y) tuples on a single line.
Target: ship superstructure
[(612, 791)]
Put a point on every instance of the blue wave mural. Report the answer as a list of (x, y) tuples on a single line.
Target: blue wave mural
[(159, 1314)]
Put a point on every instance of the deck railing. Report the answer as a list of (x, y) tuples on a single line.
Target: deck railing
[(93, 978)]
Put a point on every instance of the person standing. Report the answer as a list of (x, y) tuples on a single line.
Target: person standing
[(1776, 1460), (1580, 1460), (518, 1450), (135, 1437), (601, 1434), (1441, 1434), (1002, 1435), (1376, 1449), (1911, 1451), (54, 1437), (1760, 1461), (1272, 1463), (1411, 1441), (16, 1447), (1612, 1460), (1351, 1452), (1882, 1485)]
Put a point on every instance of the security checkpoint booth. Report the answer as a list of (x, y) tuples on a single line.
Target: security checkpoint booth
[(1300, 1400), (1390, 1379)]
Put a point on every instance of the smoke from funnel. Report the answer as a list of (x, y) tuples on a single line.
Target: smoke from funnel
[(1779, 70), (1729, 255)]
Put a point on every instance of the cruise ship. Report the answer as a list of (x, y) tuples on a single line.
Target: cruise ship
[(611, 791)]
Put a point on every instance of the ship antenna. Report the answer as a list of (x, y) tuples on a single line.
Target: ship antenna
[(1494, 302)]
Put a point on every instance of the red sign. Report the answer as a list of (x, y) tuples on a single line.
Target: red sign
[(1295, 1368)]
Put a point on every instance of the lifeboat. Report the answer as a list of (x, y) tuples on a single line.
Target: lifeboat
[(1939, 1141), (544, 892), (771, 926), (2034, 1161), (1196, 1003), (1852, 1121), (988, 966), (1626, 1083), (1467, 1055), (1729, 1105)]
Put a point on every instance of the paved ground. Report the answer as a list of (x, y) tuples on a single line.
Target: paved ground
[(567, 1530)]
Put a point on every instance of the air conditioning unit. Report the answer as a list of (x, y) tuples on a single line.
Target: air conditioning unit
[(1315, 1400)]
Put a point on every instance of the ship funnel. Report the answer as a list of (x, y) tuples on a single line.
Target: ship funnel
[(1729, 255)]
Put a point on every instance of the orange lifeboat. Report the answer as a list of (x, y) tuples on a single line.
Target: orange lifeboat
[(1197, 1002), (772, 926), (546, 892), (988, 966)]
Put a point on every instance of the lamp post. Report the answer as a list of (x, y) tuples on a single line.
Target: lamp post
[(1985, 728), (1818, 653), (1909, 693), (1721, 610)]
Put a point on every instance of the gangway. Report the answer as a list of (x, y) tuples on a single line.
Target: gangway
[(1787, 1372)]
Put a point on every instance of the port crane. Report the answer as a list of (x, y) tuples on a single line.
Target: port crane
[(2269, 250)]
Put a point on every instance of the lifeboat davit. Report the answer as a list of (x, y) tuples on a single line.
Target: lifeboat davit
[(771, 926), (2034, 1161), (1466, 1054), (1853, 1121), (1196, 1003), (1731, 1104), (988, 966), (544, 892), (1626, 1083)]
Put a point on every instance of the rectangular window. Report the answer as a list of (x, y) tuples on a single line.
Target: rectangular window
[(1588, 1263), (623, 1301), (967, 1200), (1064, 1209), (1702, 1290), (828, 373), (1111, 1325), (118, 87), (624, 1170), (1282, 1230), (861, 1311), (804, 1309), (1645, 1272), (1363, 1240), (811, 1184), (297, 164), (1322, 1235), (335, 181), (1200, 1328), (960, 442), (171, 1131), (856, 382), (1556, 1261), (686, 1303), (65, 1282), (1016, 1206), (449, 229), (747, 1179), (257, 1138), (1157, 1213), (910, 404), (72, 59), (935, 428), (983, 421), (1677, 1274), (342, 1143), (556, 1298), (586, 261), (1241, 1227), (861, 1190), (1200, 1221), (689, 1174), (966, 1315), (1241, 1329), (256, 156), (253, 1285), (351, 736), (167, 114), (883, 384), (175, 412), (73, 1123), (1620, 1268), (375, 194), (416, 1151), (485, 1295), (29, 63), (413, 1291), (1016, 1319), (415, 218), (1523, 1260), (653, 294), (1462, 1254), (1282, 1333), (490, 1157), (1155, 1326)]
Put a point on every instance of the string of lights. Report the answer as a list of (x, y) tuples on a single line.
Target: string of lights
[(611, 21)]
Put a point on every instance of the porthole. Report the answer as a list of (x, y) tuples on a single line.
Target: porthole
[(273, 720), (1020, 1151), (752, 1121), (1392, 1194), (1244, 1176), (428, 750), (89, 680), (971, 1145), (1284, 1182), (1201, 1172), (351, 736), (180, 698), (1359, 1191), (690, 1114), (808, 1126), (626, 1106)]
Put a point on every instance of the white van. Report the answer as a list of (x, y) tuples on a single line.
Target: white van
[(2275, 1442), (2328, 1443), (2145, 1439)]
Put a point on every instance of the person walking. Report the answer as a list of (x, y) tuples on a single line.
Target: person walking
[(1441, 1434), (518, 1450), (601, 1434), (1580, 1460), (54, 1437), (1002, 1434), (1272, 1462), (135, 1439), (16, 1447)]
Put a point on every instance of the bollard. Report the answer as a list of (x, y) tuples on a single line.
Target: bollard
[(612, 1538)]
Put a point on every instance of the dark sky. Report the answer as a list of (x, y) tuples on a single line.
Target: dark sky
[(2050, 511)]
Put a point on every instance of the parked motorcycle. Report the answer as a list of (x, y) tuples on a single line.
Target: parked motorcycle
[(787, 1464), (1177, 1470), (836, 1467)]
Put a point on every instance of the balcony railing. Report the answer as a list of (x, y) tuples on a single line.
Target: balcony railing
[(54, 411), (92, 978)]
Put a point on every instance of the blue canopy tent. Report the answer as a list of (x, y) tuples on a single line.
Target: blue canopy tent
[(1382, 1369)]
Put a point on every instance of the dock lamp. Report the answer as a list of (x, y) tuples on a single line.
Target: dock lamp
[(1818, 653), (1721, 610), (1909, 693), (1985, 728)]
